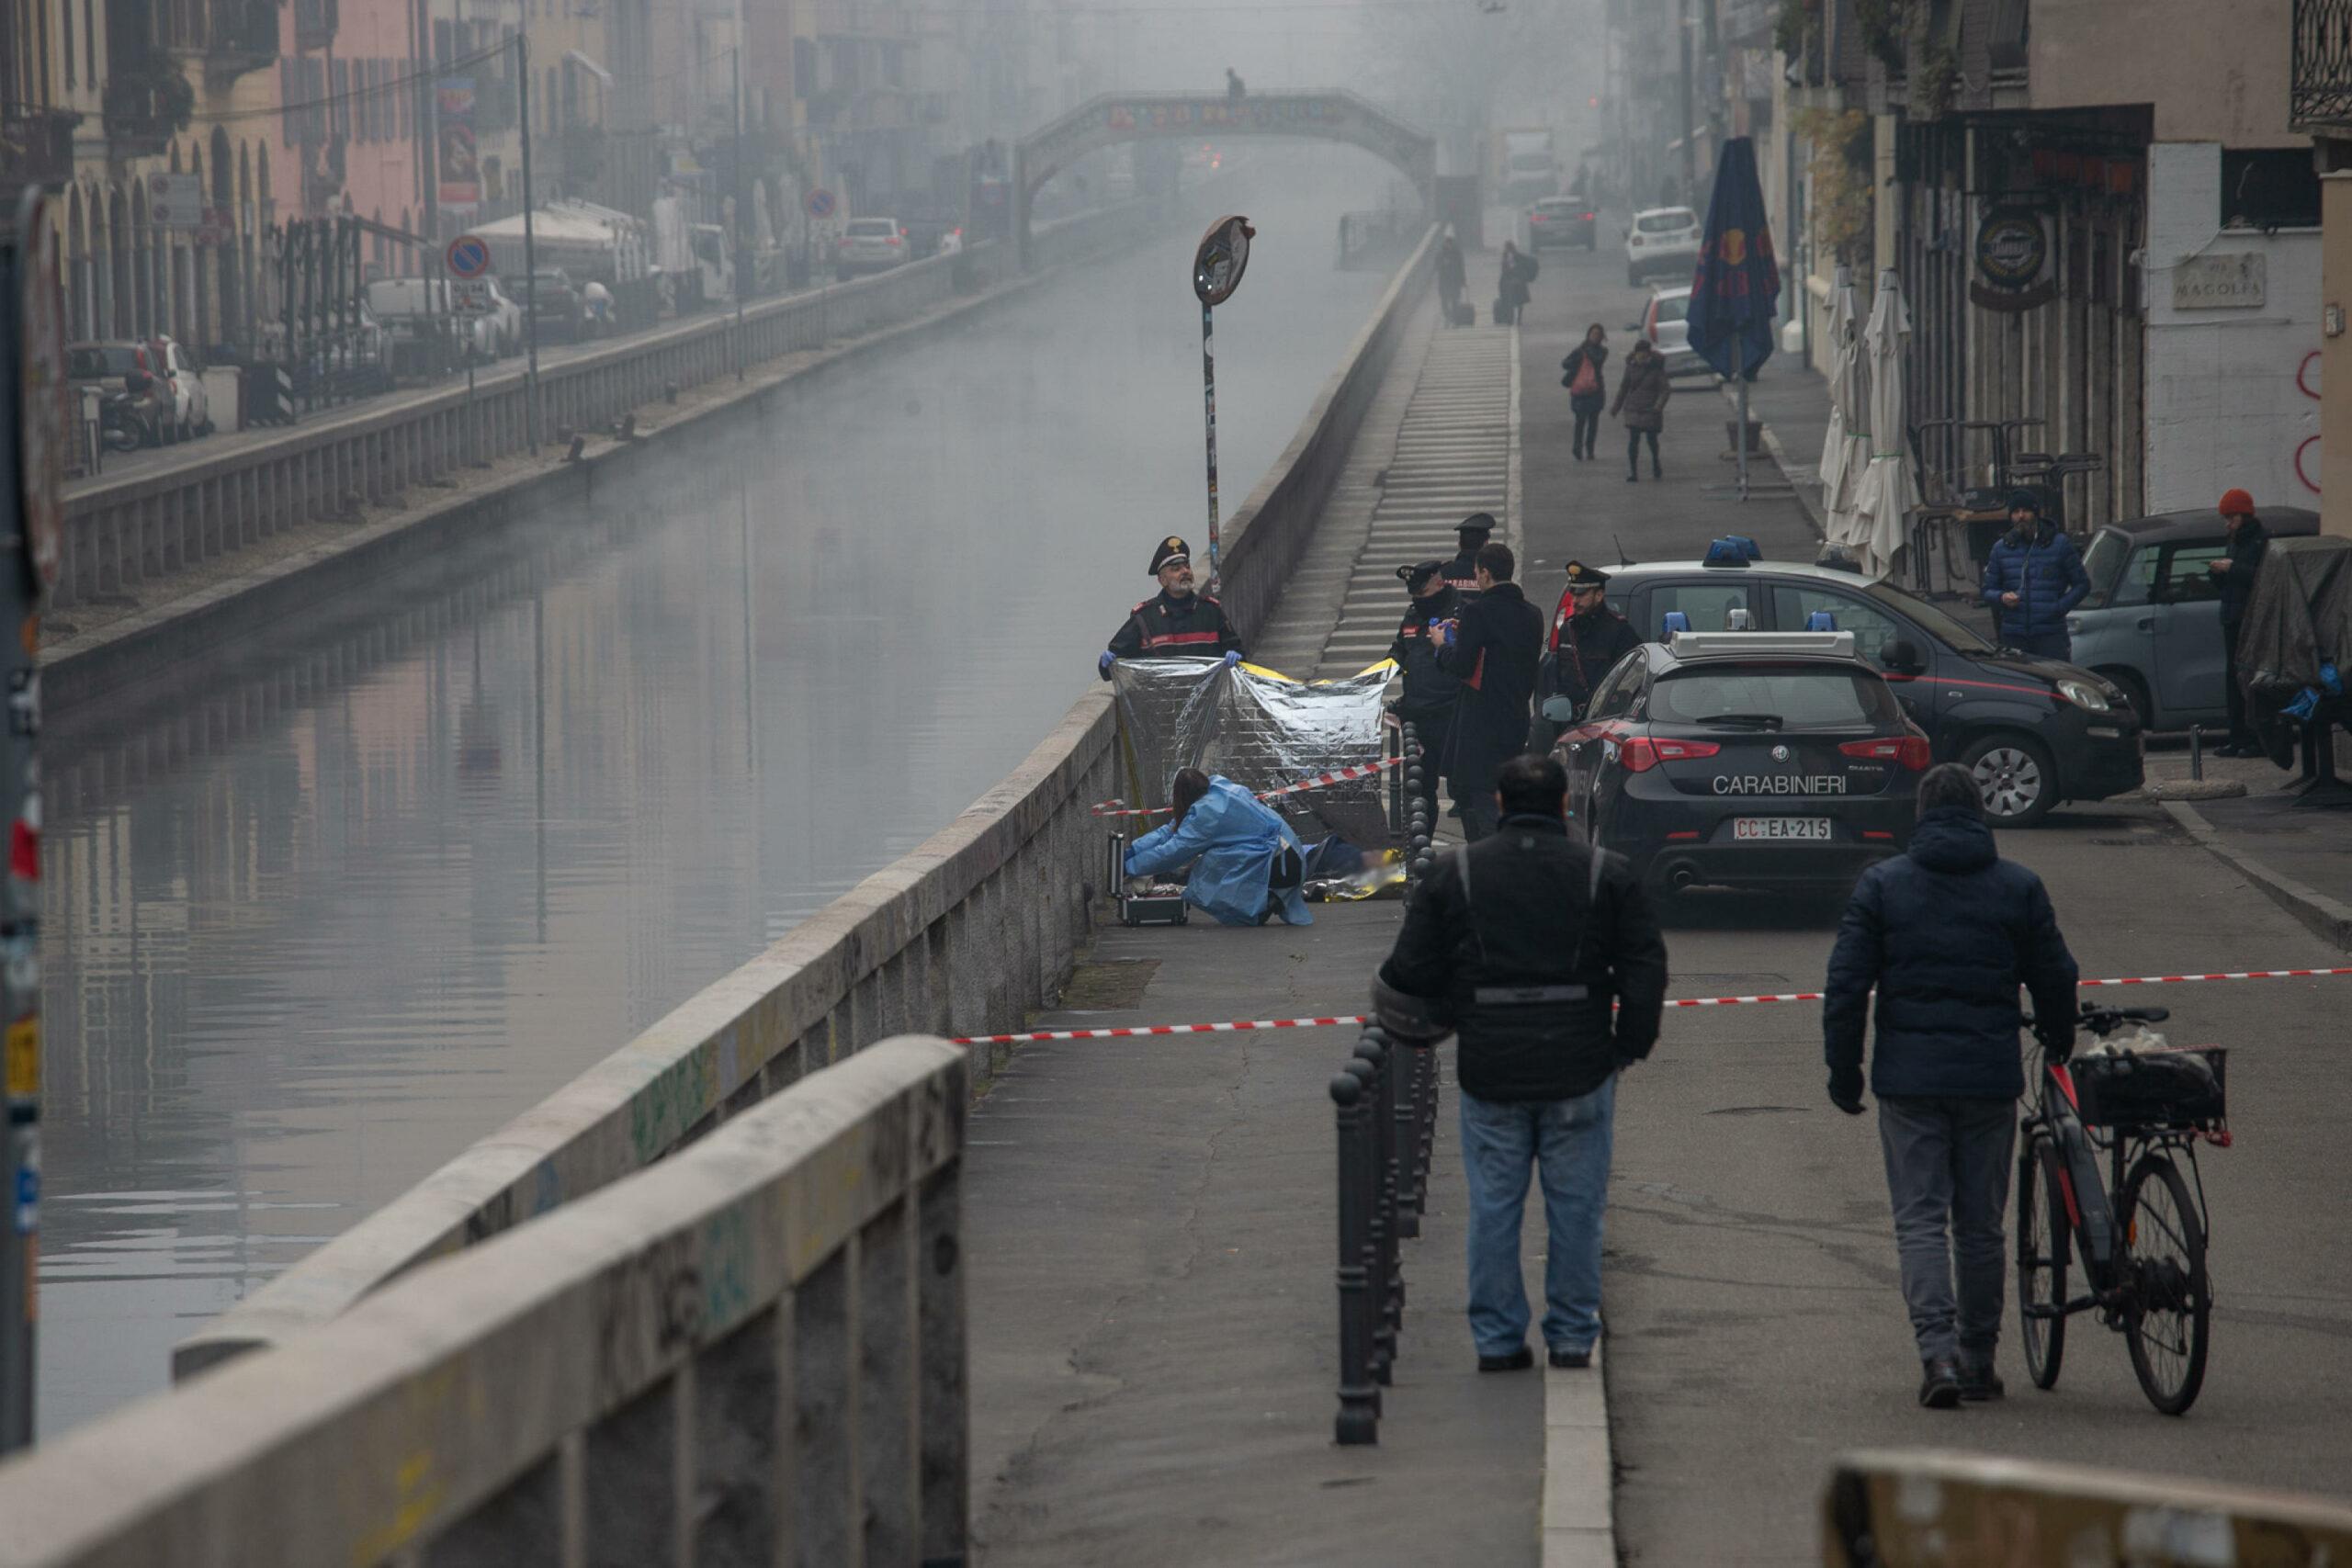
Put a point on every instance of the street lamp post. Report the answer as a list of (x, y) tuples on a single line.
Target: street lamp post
[(530, 252)]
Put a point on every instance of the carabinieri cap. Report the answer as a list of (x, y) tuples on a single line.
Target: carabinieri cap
[(1171, 549), (1583, 576)]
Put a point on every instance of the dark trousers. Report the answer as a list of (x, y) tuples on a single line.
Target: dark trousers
[(2241, 732), (1634, 454), (1588, 415), (2043, 645), (1948, 1176)]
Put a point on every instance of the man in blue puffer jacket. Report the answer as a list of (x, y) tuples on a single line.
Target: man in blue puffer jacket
[(2032, 577), (1247, 863), (1947, 933)]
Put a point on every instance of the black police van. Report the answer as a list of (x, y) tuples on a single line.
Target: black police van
[(2034, 731), (1746, 759)]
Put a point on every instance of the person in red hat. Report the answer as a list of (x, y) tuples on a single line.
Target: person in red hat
[(2235, 572)]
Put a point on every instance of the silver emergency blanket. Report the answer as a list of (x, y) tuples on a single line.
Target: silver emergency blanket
[(1262, 731), (2300, 615)]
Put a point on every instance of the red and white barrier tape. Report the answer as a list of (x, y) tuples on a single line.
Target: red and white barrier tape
[(1249, 1025), (1320, 781)]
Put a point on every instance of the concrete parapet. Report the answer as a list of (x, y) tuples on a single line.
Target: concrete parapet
[(898, 952), (1269, 530), (753, 1353), (1914, 1508)]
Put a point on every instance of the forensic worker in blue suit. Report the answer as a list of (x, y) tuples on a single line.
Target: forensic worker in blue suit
[(1249, 863)]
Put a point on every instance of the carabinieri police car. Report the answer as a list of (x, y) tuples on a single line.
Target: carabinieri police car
[(1746, 759)]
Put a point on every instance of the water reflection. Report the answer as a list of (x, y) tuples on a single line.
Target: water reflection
[(350, 901)]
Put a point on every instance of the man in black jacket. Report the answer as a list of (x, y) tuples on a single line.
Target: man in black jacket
[(2248, 541), (1461, 574), (1430, 694), (1175, 623), (1493, 650), (1946, 934), (1524, 940)]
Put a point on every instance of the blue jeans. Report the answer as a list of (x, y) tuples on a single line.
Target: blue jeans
[(1568, 1143)]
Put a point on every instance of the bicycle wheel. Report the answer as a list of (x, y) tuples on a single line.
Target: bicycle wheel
[(2042, 1261), (2171, 1314)]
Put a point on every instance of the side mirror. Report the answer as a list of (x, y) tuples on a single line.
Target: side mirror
[(1560, 709), (1902, 658)]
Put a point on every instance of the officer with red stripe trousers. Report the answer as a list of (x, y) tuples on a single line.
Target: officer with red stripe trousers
[(1176, 622)]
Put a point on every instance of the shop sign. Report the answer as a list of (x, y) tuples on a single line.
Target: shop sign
[(2013, 270)]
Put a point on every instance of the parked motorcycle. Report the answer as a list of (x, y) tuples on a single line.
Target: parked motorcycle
[(123, 424)]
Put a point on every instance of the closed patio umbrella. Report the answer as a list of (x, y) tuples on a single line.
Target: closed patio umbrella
[(1845, 449), (1889, 490)]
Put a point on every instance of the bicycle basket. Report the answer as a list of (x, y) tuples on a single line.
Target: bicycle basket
[(2156, 1088)]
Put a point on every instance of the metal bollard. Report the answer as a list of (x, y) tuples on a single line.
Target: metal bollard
[(1405, 1141), (2197, 752), (1366, 1071), (1389, 1274), (1359, 1418), (1424, 1135)]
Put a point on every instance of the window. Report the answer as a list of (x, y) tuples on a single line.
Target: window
[(1707, 604), (1872, 628), (1666, 221), (89, 42), (2182, 576), (2269, 188), (1615, 698), (1801, 697), (65, 32), (1675, 307)]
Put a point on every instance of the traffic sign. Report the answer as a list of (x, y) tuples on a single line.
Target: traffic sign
[(821, 203), (468, 256), (470, 295)]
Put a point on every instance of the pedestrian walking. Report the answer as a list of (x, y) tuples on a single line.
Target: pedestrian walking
[(1451, 278), (1946, 933), (1428, 700), (1461, 574), (2032, 577), (1176, 622), (1583, 374), (1492, 647), (2248, 540), (1511, 287), (1521, 944), (1642, 393)]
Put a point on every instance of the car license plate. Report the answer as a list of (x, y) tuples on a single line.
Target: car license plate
[(1749, 828)]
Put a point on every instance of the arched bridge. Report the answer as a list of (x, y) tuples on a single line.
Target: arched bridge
[(1117, 117)]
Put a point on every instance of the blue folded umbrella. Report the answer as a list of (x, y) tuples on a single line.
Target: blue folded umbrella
[(1736, 290)]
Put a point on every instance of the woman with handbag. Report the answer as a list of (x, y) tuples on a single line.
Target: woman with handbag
[(1582, 373)]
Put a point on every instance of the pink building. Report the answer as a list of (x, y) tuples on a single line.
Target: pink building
[(351, 141)]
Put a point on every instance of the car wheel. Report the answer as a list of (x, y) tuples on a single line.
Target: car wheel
[(2015, 773)]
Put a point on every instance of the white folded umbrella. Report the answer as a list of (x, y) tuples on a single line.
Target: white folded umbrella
[(1888, 492)]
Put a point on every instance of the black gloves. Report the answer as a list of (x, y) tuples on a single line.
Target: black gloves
[(2058, 1043), (1846, 1090)]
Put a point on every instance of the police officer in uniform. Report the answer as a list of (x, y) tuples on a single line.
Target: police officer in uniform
[(1461, 574), (1588, 638), (1426, 703), (1174, 622)]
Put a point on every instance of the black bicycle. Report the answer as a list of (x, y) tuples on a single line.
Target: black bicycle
[(2142, 1252)]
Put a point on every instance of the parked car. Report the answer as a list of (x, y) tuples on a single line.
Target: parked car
[(2034, 731), (506, 316), (191, 412), (1559, 220), (1746, 759), (552, 302), (423, 309), (869, 244), (1661, 239), (2152, 621), (1665, 322), (139, 400)]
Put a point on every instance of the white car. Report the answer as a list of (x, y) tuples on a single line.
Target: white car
[(869, 244), (191, 409), (1662, 239), (1665, 322)]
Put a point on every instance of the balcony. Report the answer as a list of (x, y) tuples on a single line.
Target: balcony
[(36, 149), (241, 38), (2320, 92), (144, 107)]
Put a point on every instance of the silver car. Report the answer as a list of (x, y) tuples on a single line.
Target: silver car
[(1665, 322), (2152, 622)]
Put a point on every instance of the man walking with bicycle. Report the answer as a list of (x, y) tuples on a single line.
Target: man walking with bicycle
[(1945, 934)]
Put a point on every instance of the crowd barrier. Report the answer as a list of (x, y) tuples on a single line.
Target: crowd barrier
[(754, 1353), (144, 526), (1931, 1509)]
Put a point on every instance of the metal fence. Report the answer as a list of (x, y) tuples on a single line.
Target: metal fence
[(1386, 1096), (123, 533), (753, 1354)]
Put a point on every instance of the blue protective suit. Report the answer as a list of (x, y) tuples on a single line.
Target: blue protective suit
[(1235, 838)]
